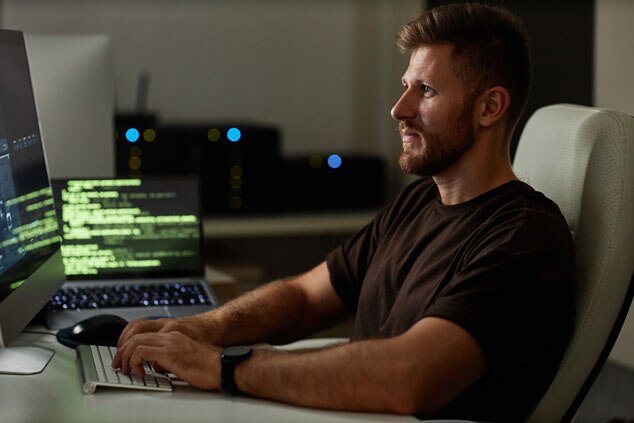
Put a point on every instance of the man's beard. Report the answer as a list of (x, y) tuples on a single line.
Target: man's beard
[(438, 150)]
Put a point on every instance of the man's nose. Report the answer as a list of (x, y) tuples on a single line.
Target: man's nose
[(405, 106)]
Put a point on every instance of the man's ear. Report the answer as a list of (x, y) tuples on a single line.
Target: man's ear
[(493, 103)]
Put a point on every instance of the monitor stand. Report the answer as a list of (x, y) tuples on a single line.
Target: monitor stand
[(24, 360)]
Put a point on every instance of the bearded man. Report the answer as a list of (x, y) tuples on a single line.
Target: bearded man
[(461, 288)]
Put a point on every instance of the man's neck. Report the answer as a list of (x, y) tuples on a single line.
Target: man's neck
[(479, 170), (459, 190)]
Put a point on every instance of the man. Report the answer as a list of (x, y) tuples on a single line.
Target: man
[(461, 288)]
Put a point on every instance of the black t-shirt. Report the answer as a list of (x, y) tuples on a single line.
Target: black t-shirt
[(500, 265)]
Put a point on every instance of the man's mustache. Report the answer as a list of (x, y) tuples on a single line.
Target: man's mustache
[(404, 127)]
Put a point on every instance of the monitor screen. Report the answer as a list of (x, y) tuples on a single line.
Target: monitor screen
[(130, 227), (29, 236)]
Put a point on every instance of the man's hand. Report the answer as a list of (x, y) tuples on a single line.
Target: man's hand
[(194, 327), (174, 352)]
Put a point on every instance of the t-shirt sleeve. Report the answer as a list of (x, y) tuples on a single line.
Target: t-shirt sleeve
[(348, 263), (510, 291)]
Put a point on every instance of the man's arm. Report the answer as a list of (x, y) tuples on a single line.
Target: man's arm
[(418, 372), (279, 312)]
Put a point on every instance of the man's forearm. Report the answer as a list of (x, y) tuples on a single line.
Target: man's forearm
[(278, 312), (360, 376), (417, 372), (268, 314)]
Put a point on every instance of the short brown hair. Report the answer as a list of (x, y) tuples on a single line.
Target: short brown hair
[(490, 45)]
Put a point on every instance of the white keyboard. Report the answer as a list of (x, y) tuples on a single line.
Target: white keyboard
[(96, 370)]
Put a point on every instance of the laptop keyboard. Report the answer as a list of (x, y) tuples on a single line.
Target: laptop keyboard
[(165, 294)]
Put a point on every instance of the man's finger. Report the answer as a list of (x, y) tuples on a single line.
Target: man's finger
[(143, 354), (158, 368), (125, 352), (138, 326)]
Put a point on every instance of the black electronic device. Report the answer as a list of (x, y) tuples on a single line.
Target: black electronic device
[(103, 329), (238, 164), (333, 182), (242, 170)]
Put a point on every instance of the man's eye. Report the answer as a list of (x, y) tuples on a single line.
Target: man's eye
[(426, 89)]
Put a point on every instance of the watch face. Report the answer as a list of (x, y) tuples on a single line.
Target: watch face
[(236, 351)]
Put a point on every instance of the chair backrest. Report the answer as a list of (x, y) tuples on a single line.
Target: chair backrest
[(583, 159)]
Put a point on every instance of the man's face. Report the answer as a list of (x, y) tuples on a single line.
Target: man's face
[(435, 124)]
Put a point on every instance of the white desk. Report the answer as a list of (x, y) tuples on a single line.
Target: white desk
[(55, 396)]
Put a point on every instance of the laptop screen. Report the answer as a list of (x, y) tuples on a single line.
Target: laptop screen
[(130, 228)]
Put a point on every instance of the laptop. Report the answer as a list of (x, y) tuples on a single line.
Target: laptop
[(131, 247)]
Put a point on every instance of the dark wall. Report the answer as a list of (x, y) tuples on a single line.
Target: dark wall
[(562, 43)]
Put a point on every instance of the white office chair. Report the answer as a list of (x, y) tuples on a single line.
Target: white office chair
[(583, 159)]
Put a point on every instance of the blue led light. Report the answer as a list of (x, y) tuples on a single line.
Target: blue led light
[(132, 135), (234, 134), (334, 161)]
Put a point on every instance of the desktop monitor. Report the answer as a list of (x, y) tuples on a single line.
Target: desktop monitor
[(31, 268), (73, 82)]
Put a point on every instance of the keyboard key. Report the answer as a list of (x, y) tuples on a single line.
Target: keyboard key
[(77, 298), (163, 381), (137, 380), (149, 380), (125, 379)]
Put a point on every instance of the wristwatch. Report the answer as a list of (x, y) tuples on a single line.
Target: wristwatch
[(229, 358)]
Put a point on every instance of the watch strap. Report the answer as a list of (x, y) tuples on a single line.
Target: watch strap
[(227, 378), (229, 359)]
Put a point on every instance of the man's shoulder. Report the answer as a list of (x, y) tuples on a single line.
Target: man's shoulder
[(520, 197), (523, 213)]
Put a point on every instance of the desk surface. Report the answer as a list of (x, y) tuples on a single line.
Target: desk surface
[(55, 396)]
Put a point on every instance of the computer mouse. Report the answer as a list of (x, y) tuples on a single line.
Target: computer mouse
[(103, 329)]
